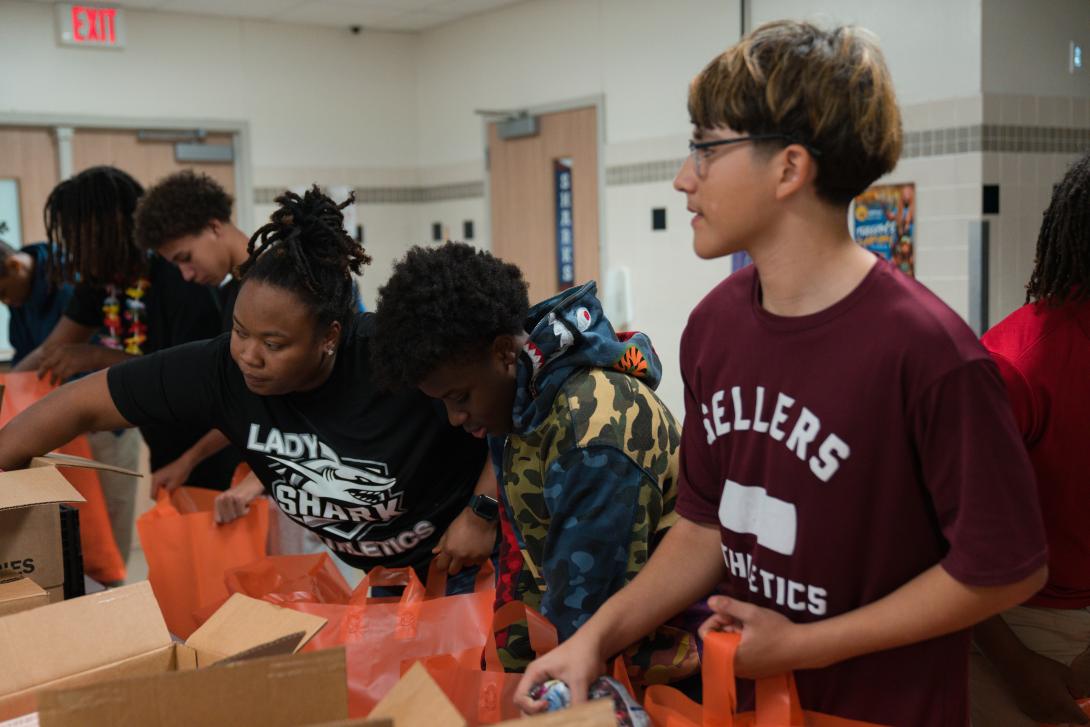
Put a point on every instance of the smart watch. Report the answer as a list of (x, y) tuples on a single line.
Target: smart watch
[(485, 507)]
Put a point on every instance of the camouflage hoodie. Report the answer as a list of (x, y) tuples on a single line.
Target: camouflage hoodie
[(589, 475)]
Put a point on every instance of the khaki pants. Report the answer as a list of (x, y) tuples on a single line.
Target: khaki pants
[(1059, 634), (119, 491)]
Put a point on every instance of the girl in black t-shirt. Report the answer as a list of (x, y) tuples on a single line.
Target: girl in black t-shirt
[(381, 477)]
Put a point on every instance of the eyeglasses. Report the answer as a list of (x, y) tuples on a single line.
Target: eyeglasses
[(697, 149)]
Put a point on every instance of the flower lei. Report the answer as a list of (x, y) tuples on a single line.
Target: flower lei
[(111, 318)]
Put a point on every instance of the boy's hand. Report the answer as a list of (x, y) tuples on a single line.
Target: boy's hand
[(235, 502), (64, 361), (1046, 690), (770, 643), (469, 540), (170, 477), (577, 662)]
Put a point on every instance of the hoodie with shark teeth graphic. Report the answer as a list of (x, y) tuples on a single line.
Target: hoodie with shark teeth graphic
[(588, 476)]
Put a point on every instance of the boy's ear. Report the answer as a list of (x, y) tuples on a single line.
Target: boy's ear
[(796, 169), (216, 226), (11, 266), (505, 349)]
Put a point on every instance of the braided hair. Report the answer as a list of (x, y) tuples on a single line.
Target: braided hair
[(305, 249), (89, 221), (1061, 270)]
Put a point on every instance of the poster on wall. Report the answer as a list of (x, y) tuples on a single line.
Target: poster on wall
[(883, 220), (565, 231)]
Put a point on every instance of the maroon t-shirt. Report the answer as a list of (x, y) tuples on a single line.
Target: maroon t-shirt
[(844, 453)]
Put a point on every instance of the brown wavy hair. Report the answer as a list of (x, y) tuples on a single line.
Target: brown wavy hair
[(829, 90), (179, 205)]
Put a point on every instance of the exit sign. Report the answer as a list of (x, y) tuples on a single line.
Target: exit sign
[(90, 26)]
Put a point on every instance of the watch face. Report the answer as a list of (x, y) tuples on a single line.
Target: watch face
[(486, 507)]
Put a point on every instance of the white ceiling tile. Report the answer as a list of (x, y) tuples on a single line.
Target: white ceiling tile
[(338, 13), (144, 4), (233, 8), (421, 20)]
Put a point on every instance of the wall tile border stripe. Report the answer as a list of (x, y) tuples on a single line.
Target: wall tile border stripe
[(993, 138)]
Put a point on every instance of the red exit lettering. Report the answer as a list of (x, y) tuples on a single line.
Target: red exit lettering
[(93, 25)]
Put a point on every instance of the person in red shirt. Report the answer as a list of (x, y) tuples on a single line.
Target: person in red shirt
[(851, 474), (1022, 669)]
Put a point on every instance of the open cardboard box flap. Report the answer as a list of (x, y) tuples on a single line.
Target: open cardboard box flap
[(96, 637), (37, 486), (58, 459), (20, 594), (275, 691), (244, 623)]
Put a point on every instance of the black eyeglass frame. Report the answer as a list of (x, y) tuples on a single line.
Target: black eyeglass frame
[(695, 146)]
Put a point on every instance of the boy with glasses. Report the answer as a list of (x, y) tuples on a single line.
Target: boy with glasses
[(850, 470)]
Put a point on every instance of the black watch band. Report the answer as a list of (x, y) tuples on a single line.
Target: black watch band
[(485, 507)]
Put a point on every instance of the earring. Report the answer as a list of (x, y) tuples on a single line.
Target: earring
[(329, 352)]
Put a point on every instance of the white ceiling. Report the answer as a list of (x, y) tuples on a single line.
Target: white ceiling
[(395, 15)]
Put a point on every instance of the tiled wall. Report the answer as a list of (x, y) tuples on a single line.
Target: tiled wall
[(952, 148), (1054, 133)]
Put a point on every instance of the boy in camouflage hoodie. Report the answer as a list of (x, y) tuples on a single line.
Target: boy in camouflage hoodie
[(586, 453)]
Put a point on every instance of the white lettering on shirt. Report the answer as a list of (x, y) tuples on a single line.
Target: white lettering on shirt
[(748, 412)]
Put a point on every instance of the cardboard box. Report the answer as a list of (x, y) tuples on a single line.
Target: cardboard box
[(30, 526), (121, 633), (20, 594), (277, 691)]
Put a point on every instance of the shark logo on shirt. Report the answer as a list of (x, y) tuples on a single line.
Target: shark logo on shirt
[(338, 497)]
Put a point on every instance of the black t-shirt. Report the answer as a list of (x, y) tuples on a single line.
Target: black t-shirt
[(226, 295), (176, 312), (377, 475)]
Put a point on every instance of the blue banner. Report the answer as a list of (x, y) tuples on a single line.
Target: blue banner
[(565, 232)]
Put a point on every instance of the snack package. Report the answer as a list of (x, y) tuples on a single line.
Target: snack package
[(628, 712)]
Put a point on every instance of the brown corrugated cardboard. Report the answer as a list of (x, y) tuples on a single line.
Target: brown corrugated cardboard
[(417, 700), (119, 633), (279, 691), (20, 594), (59, 459), (30, 526)]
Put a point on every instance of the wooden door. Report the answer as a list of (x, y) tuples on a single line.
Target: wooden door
[(29, 156), (524, 198), (146, 161)]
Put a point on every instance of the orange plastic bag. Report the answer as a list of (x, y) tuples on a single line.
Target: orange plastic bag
[(381, 633), (102, 560), (284, 579), (488, 696), (189, 554), (777, 698)]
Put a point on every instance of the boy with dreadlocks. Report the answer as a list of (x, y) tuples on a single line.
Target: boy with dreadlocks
[(381, 478), (136, 304), (851, 476), (1027, 669)]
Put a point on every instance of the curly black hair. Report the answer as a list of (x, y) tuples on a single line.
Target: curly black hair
[(180, 205), (305, 249), (88, 218), (443, 304), (1061, 271)]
